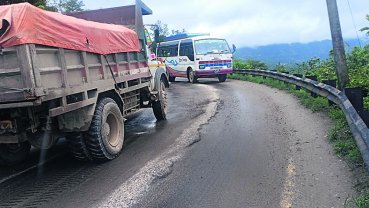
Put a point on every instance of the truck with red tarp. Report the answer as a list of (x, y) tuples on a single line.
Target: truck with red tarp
[(75, 76)]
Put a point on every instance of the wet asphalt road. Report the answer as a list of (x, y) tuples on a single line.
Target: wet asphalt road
[(222, 145)]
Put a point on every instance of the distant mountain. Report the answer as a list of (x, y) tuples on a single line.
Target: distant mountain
[(293, 52)]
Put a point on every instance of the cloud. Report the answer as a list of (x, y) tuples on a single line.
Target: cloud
[(257, 22)]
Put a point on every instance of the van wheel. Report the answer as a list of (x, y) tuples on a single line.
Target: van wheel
[(222, 77), (172, 79), (160, 107), (11, 154), (191, 76), (105, 137)]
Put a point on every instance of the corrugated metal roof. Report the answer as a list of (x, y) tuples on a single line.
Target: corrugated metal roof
[(145, 9)]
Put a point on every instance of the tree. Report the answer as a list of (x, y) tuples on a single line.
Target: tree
[(163, 30), (177, 32), (33, 2), (365, 28), (256, 64), (42, 4), (281, 67), (68, 6)]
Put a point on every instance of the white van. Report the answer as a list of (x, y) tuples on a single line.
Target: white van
[(196, 55)]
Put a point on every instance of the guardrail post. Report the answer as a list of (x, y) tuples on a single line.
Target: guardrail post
[(355, 95), (313, 94), (273, 70), (243, 73), (364, 116), (300, 76), (286, 73), (333, 84)]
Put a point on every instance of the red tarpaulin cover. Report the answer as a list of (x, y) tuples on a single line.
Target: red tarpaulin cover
[(24, 23)]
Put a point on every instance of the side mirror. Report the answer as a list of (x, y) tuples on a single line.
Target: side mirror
[(234, 48), (156, 32)]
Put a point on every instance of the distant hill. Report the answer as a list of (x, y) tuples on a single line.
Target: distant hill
[(293, 52)]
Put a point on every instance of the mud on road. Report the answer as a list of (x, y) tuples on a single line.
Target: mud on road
[(232, 144), (261, 148)]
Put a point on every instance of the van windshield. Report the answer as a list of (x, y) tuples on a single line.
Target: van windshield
[(206, 46)]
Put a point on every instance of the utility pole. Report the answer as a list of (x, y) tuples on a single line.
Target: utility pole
[(337, 42)]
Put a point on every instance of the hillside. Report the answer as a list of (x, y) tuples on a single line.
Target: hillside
[(293, 52)]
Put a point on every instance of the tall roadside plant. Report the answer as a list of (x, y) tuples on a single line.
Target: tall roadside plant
[(365, 28)]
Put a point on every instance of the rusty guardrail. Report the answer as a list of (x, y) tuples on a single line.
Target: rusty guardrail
[(358, 128)]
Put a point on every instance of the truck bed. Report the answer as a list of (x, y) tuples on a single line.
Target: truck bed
[(31, 74)]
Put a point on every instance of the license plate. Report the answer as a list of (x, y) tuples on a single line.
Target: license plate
[(216, 71)]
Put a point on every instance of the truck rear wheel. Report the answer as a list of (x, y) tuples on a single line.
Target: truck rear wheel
[(160, 107), (77, 146), (105, 137), (11, 154)]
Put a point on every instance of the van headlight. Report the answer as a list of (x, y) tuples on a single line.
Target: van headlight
[(201, 66), (229, 65)]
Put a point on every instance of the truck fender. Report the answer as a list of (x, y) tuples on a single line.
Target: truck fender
[(80, 119), (159, 74), (77, 120)]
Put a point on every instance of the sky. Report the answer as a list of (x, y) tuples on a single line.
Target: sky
[(253, 22)]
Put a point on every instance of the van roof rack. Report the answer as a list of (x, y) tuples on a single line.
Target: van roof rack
[(184, 35)]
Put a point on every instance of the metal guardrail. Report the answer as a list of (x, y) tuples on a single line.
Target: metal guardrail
[(358, 128)]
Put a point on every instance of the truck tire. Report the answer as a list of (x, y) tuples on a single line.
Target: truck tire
[(11, 154), (222, 77), (172, 79), (105, 137), (160, 107), (191, 76), (77, 146)]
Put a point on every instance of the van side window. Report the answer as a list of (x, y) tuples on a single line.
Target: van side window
[(186, 49), (168, 49)]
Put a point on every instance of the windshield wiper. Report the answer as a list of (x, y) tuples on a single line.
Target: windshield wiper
[(224, 51), (209, 52)]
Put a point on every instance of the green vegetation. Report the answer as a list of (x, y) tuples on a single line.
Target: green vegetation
[(357, 64), (67, 6), (304, 96), (63, 6), (345, 145), (365, 28), (249, 64), (361, 202), (164, 31), (42, 4), (290, 53), (357, 60)]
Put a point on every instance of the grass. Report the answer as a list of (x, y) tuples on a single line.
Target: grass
[(344, 143), (361, 202), (304, 96), (340, 134)]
